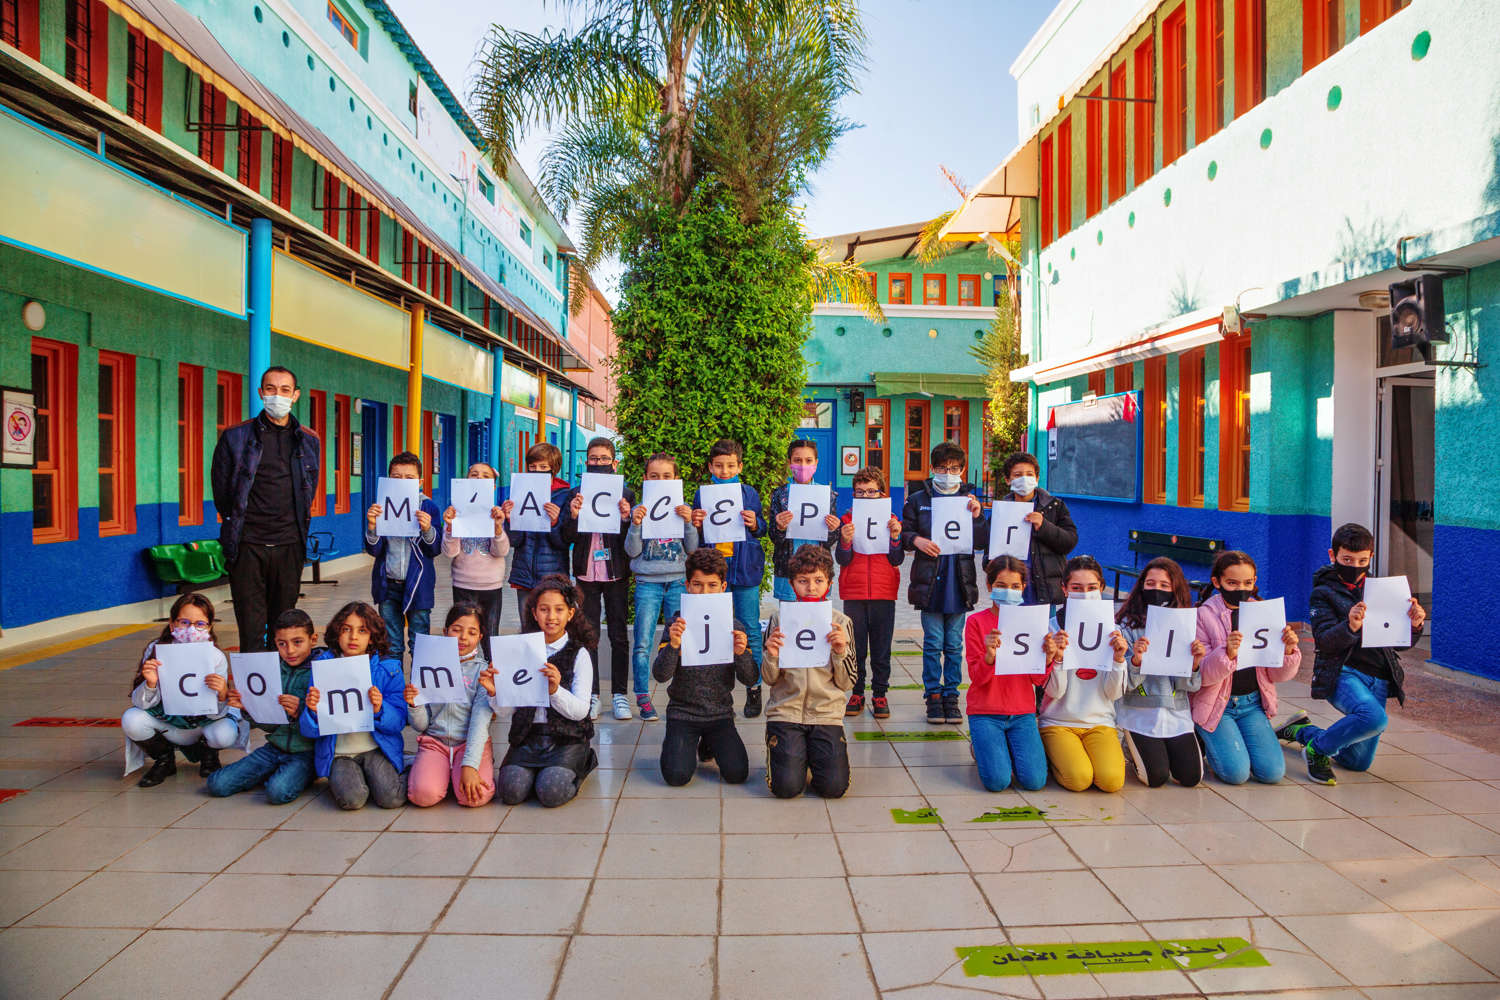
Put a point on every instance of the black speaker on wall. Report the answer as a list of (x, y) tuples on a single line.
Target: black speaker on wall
[(1417, 316)]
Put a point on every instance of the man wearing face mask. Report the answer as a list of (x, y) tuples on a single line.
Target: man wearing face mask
[(1053, 534), (265, 472)]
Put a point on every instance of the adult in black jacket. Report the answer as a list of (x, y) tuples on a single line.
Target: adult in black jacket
[(1053, 534)]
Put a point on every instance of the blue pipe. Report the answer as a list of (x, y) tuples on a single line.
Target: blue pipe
[(497, 410), (260, 300)]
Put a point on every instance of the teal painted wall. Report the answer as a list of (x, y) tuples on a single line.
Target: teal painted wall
[(1466, 463)]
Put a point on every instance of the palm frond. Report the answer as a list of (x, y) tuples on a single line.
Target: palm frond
[(847, 282), (931, 248)]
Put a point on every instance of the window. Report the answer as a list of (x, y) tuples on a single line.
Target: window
[(968, 289), (1322, 30), (1154, 415), (1234, 423), (898, 289), (815, 414), (874, 281), (956, 423), (1145, 114), (332, 193), (281, 171), (1249, 54), (342, 25), (1210, 104), (525, 233), (1093, 153), (54, 478), (1372, 12), (317, 412), (429, 453), (1096, 383), (486, 186), (211, 113), (372, 233), (228, 402), (1117, 108), (547, 259), (353, 225), (116, 444), (247, 166), (411, 97), (1190, 369), (341, 454), (135, 75), (934, 289), (189, 444), (1174, 86), (877, 422), (398, 428), (78, 39), (20, 26), (1124, 378), (916, 439), (1065, 175), (10, 23), (1047, 197), (987, 443)]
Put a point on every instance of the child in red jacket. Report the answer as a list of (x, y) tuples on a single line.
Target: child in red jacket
[(1002, 708), (868, 585)]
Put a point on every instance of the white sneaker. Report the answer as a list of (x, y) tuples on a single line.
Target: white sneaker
[(594, 707), (622, 708)]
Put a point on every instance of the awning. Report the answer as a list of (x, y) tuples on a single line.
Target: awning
[(927, 383), (1180, 334), (886, 243), (994, 207)]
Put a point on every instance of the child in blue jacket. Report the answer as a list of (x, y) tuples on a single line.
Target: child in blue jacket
[(362, 766), (402, 578), (538, 554)]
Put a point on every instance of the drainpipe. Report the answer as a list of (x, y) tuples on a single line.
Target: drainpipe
[(260, 300), (497, 409), (414, 381)]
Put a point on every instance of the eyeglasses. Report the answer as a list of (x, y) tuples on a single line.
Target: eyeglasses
[(189, 623), (867, 494)]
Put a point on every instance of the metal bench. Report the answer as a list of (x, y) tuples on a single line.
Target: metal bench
[(320, 546), (1182, 549)]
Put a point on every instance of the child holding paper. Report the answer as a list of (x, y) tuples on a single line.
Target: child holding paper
[(602, 570), (1155, 710), (868, 584), (362, 766), (403, 575), (1233, 705), (1077, 717), (1002, 707), (1355, 680), (801, 464), (478, 567), (284, 762), (805, 713), (454, 745), (747, 560), (159, 735), (535, 554), (551, 750), (1053, 533), (700, 699), (658, 565)]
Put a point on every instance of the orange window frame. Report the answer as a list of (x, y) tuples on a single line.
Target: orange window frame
[(1144, 60), (968, 289), (229, 405), (1174, 59), (934, 289), (1191, 367), (1154, 428), (903, 298), (1373, 12), (398, 428), (874, 281), (1249, 54), (1096, 382), (117, 426), (189, 444), (1093, 153), (24, 31), (1322, 30), (914, 453), (342, 452), (341, 24), (429, 453), (1209, 117), (878, 435), (1234, 423), (956, 422), (1124, 378), (1116, 168), (56, 438), (317, 408), (1047, 198), (1064, 175)]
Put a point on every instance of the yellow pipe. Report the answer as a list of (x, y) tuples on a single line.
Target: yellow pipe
[(414, 382)]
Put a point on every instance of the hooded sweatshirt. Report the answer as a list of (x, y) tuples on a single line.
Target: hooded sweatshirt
[(659, 560), (1217, 672)]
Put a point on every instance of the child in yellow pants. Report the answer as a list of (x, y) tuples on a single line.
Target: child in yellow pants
[(1077, 717)]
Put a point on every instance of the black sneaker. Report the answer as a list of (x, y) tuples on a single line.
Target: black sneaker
[(210, 762), (752, 702), (935, 713), (952, 714), (1319, 766), (161, 769), (1288, 733)]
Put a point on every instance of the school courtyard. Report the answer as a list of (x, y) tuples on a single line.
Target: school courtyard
[(916, 885)]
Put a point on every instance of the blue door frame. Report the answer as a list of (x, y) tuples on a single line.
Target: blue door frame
[(373, 430)]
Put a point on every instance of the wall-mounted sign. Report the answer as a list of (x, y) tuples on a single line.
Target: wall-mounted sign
[(18, 411)]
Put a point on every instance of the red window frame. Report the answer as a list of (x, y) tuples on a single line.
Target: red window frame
[(1249, 54), (1047, 198), (281, 171), (1373, 12), (956, 422), (429, 453), (874, 281), (247, 156), (1191, 377), (137, 74), (1154, 432), (1116, 169), (904, 297), (968, 289), (212, 112), (317, 412), (117, 428), (914, 453), (398, 428), (333, 192), (372, 234), (1234, 423), (1096, 382), (78, 25), (20, 26), (1209, 117), (189, 444), (1124, 378), (878, 435), (56, 438), (1144, 60), (1322, 30), (1093, 153), (342, 452), (1064, 137), (934, 289), (1174, 77)]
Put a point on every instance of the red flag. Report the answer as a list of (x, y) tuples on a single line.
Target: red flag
[(1052, 420), (1130, 408)]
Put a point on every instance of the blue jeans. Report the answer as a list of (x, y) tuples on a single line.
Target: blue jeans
[(1353, 740), (1244, 744), (747, 610), (417, 620), (942, 653), (285, 775), (651, 600), (1006, 743)]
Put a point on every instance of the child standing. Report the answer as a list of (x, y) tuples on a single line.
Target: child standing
[(454, 745), (805, 714), (1078, 707), (478, 567), (658, 566), (1233, 706), (1002, 708), (747, 561), (551, 750), (868, 584), (1155, 711), (700, 700), (535, 554), (284, 763), (159, 735), (943, 587), (403, 576), (362, 766), (603, 573), (1355, 680), (801, 465), (1053, 533)]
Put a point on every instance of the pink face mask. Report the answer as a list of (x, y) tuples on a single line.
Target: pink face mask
[(802, 473), (189, 634)]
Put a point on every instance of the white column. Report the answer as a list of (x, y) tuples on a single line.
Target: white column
[(1355, 435)]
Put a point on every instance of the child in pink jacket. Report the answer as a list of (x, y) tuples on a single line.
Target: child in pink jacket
[(1232, 710)]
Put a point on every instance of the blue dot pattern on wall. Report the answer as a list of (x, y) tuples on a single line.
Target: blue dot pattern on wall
[(1265, 138), (978, 334), (309, 62), (1213, 169), (286, 40), (887, 332), (1420, 45), (839, 331), (259, 16), (1335, 97)]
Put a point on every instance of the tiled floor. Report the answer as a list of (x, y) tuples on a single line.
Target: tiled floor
[(1386, 886)]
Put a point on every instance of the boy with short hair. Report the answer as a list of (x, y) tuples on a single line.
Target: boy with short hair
[(747, 561), (659, 566), (700, 700), (284, 763), (535, 554), (805, 712), (403, 575), (1053, 534), (602, 571), (943, 588), (868, 584), (1355, 680), (801, 464)]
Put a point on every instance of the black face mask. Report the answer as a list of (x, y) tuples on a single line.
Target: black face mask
[(1350, 574), (604, 468), (1233, 597), (1159, 598)]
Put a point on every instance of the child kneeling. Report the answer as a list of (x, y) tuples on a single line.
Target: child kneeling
[(1002, 707), (805, 713), (454, 745)]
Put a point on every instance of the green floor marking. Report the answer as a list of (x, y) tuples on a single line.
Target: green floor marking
[(906, 652), (910, 736), (1011, 814), (928, 815), (1071, 958)]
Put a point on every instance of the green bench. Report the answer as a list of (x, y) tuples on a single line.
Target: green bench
[(1182, 549), (188, 565)]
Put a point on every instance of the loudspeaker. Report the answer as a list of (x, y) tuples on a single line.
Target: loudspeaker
[(856, 401), (1417, 315)]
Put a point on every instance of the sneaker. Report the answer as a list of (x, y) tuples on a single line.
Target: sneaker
[(880, 707), (952, 714), (594, 707), (210, 762), (1288, 733), (856, 704), (645, 708), (752, 702), (622, 708), (705, 751), (1319, 766), (935, 710)]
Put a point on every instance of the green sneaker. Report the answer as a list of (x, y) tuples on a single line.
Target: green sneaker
[(1288, 733), (1319, 766)]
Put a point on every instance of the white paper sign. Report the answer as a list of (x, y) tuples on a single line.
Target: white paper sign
[(1387, 613), (472, 500), (809, 504), (872, 518), (530, 493), (435, 672), (518, 661), (343, 695), (953, 526), (1010, 532), (1261, 623), (257, 677), (184, 665), (725, 503), (804, 628), (400, 499), (661, 498), (709, 637), (1170, 633), (1089, 623), (601, 492), (1022, 630)]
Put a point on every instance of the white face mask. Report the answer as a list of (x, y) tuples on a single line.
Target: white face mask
[(1023, 486), (947, 482), (277, 407)]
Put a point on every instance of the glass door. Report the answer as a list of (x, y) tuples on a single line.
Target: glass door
[(1404, 495)]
